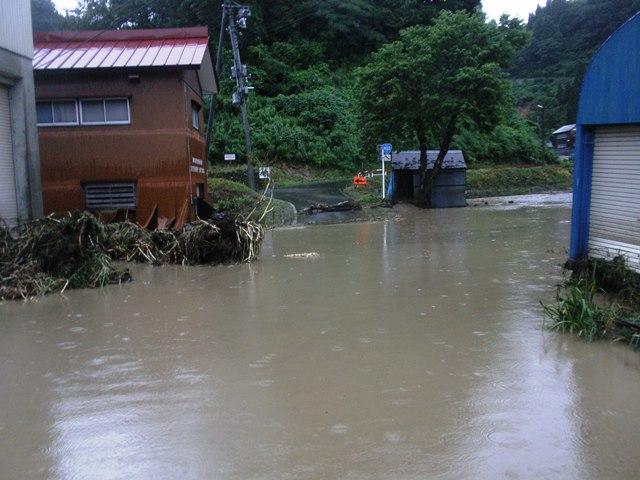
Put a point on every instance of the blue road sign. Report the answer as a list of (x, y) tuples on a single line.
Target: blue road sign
[(387, 148)]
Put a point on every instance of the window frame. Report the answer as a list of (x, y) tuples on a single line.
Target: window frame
[(104, 110), (53, 120), (195, 109)]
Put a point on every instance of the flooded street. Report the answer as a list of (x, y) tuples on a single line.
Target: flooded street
[(410, 348), (327, 193)]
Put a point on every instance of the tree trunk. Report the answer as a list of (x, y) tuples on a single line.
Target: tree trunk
[(424, 161), (430, 175)]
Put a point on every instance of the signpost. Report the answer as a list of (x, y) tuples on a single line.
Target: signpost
[(386, 150), (264, 173)]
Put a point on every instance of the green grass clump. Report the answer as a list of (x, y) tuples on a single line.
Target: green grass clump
[(282, 175), (579, 307), (497, 181), (614, 278), (577, 313), (369, 195), (240, 201)]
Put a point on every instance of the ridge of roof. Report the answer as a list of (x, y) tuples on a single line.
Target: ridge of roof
[(70, 36), (410, 159)]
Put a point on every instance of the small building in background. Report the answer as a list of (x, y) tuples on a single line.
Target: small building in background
[(121, 125), (20, 194), (564, 140), (606, 188), (449, 189)]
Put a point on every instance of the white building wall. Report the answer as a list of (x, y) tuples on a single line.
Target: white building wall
[(15, 27), (614, 216)]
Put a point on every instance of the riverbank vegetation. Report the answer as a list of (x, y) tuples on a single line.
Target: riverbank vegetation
[(235, 198), (518, 180), (283, 175), (78, 251), (601, 300), (369, 195)]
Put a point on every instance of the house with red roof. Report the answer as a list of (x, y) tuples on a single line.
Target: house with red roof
[(120, 122)]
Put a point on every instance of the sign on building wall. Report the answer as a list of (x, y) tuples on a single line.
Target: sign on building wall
[(197, 165)]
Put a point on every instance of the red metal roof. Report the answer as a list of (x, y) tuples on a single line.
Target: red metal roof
[(162, 47)]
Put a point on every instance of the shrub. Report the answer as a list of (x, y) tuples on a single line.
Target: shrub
[(576, 312)]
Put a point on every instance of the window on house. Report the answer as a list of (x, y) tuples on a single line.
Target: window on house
[(57, 112), (105, 111), (195, 115)]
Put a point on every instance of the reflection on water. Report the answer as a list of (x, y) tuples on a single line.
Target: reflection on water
[(407, 349)]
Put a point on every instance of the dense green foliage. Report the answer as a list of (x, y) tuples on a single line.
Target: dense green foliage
[(44, 16), (441, 81), (512, 141), (564, 36)]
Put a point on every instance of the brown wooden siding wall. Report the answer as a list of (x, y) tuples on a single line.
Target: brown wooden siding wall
[(155, 150)]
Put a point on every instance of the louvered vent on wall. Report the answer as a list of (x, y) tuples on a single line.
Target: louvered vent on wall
[(110, 196)]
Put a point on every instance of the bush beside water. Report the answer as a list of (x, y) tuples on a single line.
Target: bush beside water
[(600, 300), (496, 181), (240, 201)]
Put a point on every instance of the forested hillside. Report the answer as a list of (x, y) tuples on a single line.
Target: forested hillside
[(564, 34), (303, 56)]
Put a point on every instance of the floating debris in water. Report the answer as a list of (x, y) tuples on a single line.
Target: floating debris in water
[(303, 255)]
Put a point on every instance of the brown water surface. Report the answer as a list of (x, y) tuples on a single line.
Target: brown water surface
[(406, 349)]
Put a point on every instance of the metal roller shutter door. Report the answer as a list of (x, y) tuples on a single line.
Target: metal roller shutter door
[(614, 217), (8, 203)]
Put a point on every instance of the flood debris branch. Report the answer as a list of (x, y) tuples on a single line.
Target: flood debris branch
[(338, 207), (78, 251)]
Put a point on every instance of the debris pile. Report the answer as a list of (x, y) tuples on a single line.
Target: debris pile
[(338, 207), (77, 251), (51, 255), (222, 239)]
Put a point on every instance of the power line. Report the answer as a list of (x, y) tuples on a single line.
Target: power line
[(288, 23)]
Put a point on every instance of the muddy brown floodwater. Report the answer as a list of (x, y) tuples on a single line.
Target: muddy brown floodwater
[(406, 349)]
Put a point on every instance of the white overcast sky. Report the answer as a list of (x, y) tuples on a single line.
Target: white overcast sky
[(494, 8)]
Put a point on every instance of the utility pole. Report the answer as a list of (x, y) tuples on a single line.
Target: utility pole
[(217, 68), (238, 15), (542, 125)]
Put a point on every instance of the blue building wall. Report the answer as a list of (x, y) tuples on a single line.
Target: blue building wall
[(610, 96)]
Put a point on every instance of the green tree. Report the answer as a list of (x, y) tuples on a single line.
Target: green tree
[(44, 16), (563, 37), (434, 80)]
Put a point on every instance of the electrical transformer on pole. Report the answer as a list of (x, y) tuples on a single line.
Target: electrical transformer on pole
[(238, 15), (235, 16)]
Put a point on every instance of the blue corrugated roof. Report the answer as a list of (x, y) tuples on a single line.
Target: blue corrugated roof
[(410, 160), (611, 84)]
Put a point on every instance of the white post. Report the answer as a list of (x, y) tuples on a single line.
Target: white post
[(384, 193)]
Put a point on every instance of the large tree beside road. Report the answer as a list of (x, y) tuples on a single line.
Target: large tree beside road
[(435, 80)]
